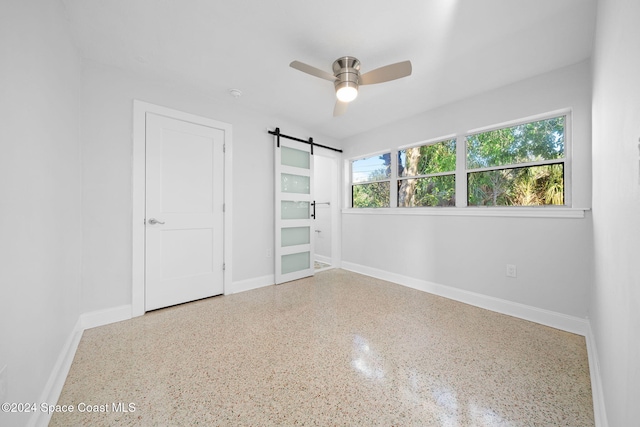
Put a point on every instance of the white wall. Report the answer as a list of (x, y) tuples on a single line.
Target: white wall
[(40, 252), (106, 127), (471, 253), (614, 306)]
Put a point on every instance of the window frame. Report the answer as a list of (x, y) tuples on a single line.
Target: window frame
[(566, 160), (461, 173), (392, 177), (426, 143)]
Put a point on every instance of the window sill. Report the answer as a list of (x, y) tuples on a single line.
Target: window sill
[(515, 212)]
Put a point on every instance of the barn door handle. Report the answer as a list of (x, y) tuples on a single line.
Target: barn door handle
[(153, 221), (313, 215)]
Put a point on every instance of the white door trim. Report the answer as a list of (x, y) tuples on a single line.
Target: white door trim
[(140, 109)]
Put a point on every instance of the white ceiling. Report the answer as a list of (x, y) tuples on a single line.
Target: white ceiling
[(458, 48)]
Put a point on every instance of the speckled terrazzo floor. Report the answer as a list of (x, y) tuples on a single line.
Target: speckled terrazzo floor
[(337, 349)]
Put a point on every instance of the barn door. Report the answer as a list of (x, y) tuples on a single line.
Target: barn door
[(294, 204)]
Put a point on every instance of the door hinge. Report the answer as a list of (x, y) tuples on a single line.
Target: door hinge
[(224, 266), (224, 148), (224, 206)]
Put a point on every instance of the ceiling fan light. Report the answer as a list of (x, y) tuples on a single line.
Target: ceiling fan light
[(346, 92)]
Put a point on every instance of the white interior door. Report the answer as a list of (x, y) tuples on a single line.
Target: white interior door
[(184, 237), (294, 211)]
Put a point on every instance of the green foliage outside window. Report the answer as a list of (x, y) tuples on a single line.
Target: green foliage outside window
[(529, 142), (522, 165), (373, 195), (426, 160), (430, 191), (525, 186), (373, 173), (532, 186)]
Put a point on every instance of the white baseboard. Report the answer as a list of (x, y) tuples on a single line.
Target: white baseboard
[(553, 319), (599, 412), (104, 317), (249, 284), (325, 259), (58, 376)]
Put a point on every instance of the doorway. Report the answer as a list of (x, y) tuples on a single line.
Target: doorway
[(326, 183)]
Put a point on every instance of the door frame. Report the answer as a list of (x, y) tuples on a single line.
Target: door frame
[(140, 110)]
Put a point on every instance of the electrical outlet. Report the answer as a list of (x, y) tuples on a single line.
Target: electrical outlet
[(269, 253), (3, 384), (511, 270)]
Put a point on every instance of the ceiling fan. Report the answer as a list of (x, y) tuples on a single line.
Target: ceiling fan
[(347, 78)]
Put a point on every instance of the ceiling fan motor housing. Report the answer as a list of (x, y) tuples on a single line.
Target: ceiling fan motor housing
[(347, 72), (346, 77)]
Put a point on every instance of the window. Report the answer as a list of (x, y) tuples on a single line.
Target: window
[(521, 165), (371, 182), (426, 175)]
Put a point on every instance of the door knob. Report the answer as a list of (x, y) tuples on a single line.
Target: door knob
[(153, 221)]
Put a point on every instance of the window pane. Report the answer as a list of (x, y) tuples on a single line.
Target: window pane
[(529, 142), (292, 236), (374, 168), (427, 159), (295, 183), (294, 210), (531, 186), (374, 195), (295, 262), (293, 157), (431, 191)]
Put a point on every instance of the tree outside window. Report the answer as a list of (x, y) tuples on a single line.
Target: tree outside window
[(427, 175), (521, 165), (494, 178), (371, 178)]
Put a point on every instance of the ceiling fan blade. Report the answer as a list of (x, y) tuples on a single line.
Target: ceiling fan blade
[(312, 70), (340, 108), (387, 73)]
